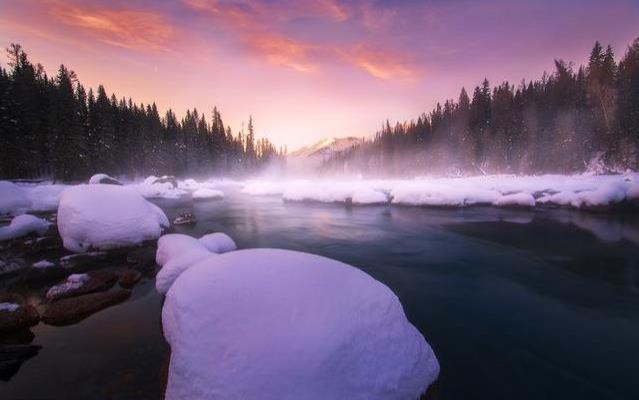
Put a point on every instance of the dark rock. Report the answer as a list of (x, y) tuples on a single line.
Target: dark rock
[(23, 317), (74, 309), (13, 356), (185, 219), (129, 278), (99, 281), (167, 179), (142, 256)]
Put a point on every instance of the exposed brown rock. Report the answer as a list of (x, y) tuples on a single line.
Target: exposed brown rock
[(98, 281), (74, 309), (129, 278)]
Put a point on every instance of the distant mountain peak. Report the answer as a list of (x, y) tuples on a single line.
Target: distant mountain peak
[(327, 147)]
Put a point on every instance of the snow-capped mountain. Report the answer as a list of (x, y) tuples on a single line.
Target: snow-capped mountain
[(327, 147)]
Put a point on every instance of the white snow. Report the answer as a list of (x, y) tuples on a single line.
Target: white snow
[(207, 194), (44, 197), (9, 307), (218, 242), (576, 191), (97, 179), (42, 264), (107, 216), (176, 253), (72, 282), (151, 190), (23, 225), (277, 324), (515, 200), (13, 199)]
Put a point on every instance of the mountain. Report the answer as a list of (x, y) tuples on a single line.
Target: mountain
[(327, 148)]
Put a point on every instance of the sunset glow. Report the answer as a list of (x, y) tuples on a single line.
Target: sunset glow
[(307, 70)]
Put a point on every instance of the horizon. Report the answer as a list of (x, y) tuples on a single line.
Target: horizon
[(351, 62)]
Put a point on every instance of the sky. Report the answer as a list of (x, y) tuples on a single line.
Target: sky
[(306, 70)]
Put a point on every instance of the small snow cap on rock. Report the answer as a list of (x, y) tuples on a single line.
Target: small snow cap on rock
[(107, 216), (23, 225), (103, 179), (276, 324), (13, 199)]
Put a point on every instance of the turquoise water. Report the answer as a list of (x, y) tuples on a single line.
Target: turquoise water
[(516, 304)]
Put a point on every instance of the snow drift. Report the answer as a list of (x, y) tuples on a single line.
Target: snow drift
[(107, 216), (23, 225), (277, 324)]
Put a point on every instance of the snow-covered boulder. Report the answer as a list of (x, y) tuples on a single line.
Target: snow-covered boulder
[(23, 225), (107, 216), (207, 194), (103, 179), (276, 324), (218, 242), (13, 199), (160, 188), (176, 253)]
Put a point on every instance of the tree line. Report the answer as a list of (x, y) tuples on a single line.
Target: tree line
[(569, 121), (53, 127)]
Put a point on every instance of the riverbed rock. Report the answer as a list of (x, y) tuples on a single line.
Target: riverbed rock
[(74, 309), (15, 314), (96, 281), (129, 278)]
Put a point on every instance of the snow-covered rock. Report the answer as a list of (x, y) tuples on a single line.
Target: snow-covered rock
[(23, 225), (277, 324), (73, 282), (154, 187), (9, 307), (176, 253), (207, 194), (13, 199), (218, 242), (103, 179), (174, 244), (43, 264), (369, 196), (107, 216)]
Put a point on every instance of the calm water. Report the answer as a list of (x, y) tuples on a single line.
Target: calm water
[(516, 304)]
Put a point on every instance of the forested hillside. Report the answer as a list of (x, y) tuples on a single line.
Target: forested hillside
[(572, 120), (54, 127)]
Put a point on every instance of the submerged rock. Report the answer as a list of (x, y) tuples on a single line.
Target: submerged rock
[(129, 278), (15, 314), (74, 309)]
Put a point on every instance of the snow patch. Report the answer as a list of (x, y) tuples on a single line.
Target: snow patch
[(23, 225), (107, 216), (207, 194), (74, 281), (13, 199), (43, 264), (9, 307)]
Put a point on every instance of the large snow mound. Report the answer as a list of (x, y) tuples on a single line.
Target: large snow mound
[(23, 225), (13, 199), (107, 216), (276, 324)]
